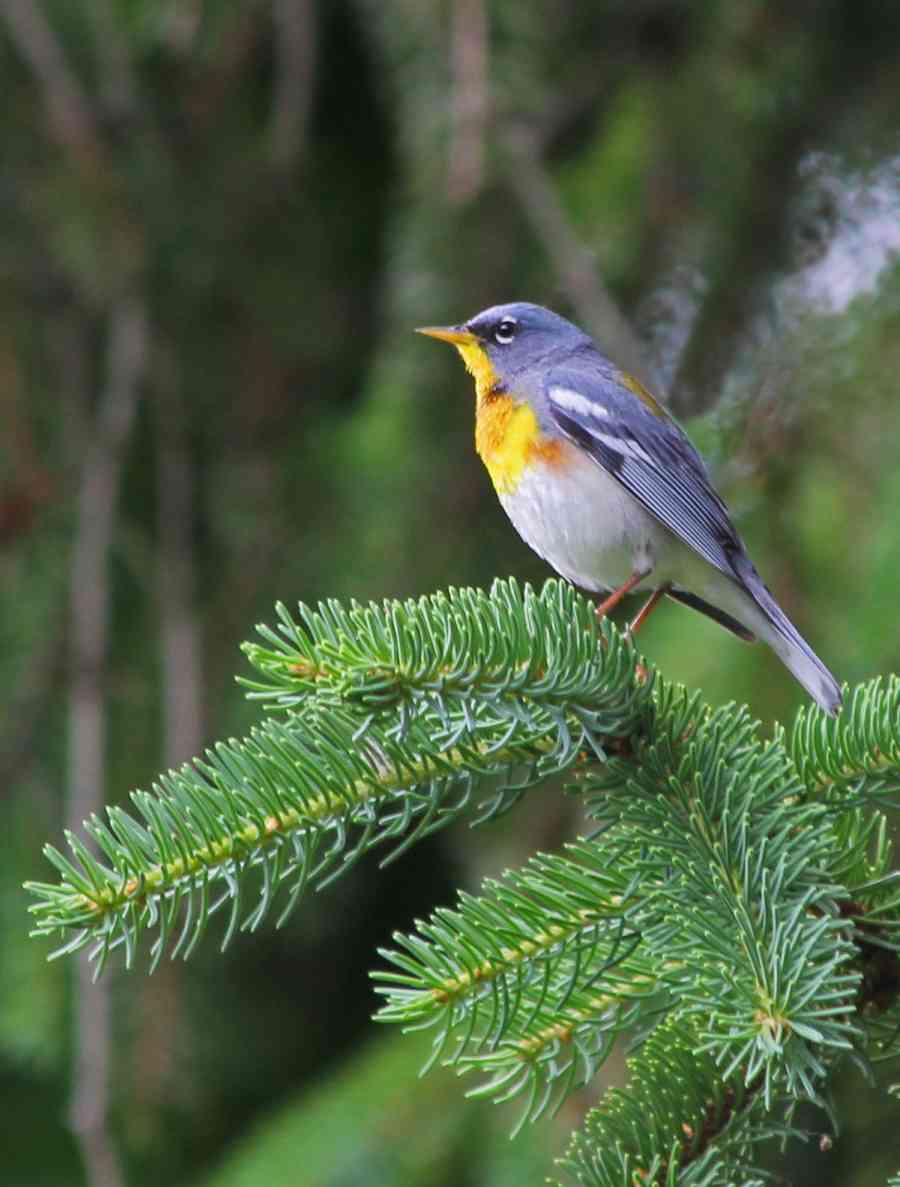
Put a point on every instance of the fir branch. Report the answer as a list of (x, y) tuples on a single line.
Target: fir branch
[(429, 657), (679, 1122), (746, 919), (303, 798), (852, 764), (855, 756), (301, 804), (865, 866), (712, 864), (529, 983), (740, 891)]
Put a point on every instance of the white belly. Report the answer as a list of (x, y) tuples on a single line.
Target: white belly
[(583, 523)]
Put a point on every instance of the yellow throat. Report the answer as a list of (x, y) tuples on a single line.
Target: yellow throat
[(507, 434)]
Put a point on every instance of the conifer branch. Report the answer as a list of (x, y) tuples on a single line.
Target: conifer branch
[(680, 1121), (299, 804), (746, 919), (737, 907), (432, 655), (857, 754), (713, 867), (398, 717), (853, 765), (530, 983)]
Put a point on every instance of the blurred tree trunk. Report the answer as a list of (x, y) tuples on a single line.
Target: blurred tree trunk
[(469, 47), (183, 697), (295, 59), (179, 623), (569, 256), (90, 629), (68, 109)]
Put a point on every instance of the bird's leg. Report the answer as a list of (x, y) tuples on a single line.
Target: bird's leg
[(610, 603), (647, 609)]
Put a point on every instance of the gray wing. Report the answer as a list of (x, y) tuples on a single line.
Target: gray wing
[(634, 440)]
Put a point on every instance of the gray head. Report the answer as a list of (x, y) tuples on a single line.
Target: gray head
[(501, 342), (519, 333)]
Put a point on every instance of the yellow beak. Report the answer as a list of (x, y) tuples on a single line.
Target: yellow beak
[(454, 334)]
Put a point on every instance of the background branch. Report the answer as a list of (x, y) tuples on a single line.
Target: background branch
[(69, 111), (576, 267), (469, 48), (295, 57), (118, 80), (183, 729), (90, 624)]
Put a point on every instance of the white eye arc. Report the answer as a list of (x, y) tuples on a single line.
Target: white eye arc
[(506, 331)]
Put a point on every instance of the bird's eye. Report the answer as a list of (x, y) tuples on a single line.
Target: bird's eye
[(506, 331)]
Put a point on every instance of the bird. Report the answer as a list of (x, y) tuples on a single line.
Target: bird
[(601, 481)]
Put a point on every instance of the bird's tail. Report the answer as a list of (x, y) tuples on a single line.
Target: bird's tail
[(787, 642)]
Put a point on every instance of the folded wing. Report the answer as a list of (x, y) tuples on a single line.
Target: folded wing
[(645, 450)]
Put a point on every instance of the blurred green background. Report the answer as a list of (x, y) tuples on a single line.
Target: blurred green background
[(219, 222)]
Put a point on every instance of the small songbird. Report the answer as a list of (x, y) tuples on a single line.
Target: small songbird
[(601, 482)]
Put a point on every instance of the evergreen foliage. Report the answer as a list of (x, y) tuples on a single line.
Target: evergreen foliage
[(734, 913)]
